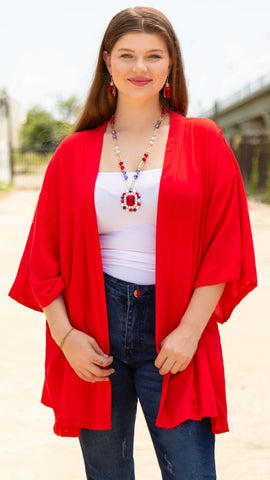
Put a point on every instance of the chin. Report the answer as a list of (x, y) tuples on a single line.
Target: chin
[(142, 95)]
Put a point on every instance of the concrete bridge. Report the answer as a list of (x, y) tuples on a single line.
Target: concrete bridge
[(247, 112)]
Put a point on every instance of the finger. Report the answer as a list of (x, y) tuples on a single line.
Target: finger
[(96, 378), (101, 379), (100, 358), (176, 368), (102, 361), (89, 377), (96, 347), (160, 359), (100, 372), (184, 364), (166, 367)]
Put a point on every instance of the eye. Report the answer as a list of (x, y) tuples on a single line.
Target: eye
[(155, 56), (126, 55)]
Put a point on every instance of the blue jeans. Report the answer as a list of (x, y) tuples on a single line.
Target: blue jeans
[(185, 452)]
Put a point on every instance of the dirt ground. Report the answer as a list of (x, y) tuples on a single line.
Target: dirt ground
[(29, 449)]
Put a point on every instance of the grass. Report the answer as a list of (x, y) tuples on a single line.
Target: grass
[(5, 187)]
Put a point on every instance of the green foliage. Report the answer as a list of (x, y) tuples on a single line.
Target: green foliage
[(5, 187), (42, 130), (69, 109), (38, 129), (60, 131)]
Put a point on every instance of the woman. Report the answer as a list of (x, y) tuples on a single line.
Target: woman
[(140, 244)]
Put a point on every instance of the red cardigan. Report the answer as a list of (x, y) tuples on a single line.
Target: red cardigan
[(203, 237)]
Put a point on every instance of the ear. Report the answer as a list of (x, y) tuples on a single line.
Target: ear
[(107, 60)]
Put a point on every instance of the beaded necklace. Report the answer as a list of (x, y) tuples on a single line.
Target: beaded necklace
[(131, 200)]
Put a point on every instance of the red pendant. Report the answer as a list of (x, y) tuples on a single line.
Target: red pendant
[(130, 201)]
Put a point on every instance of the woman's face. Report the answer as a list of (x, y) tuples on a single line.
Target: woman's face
[(139, 64)]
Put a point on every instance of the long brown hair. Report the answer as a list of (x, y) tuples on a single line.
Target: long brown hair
[(100, 105)]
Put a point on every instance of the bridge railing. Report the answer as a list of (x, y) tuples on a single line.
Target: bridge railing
[(248, 89)]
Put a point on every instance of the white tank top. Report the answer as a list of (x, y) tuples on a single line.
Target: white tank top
[(128, 240)]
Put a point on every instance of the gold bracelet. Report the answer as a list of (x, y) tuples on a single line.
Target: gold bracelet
[(61, 344)]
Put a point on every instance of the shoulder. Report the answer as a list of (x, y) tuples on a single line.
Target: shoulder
[(74, 139), (75, 146), (204, 126), (68, 163), (78, 140), (203, 139), (201, 135), (201, 128)]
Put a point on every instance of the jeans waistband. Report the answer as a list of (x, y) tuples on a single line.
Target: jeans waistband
[(123, 287)]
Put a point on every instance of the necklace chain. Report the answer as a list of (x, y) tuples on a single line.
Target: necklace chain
[(131, 200)]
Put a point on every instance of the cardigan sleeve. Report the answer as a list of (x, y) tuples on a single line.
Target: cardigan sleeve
[(228, 253), (38, 281)]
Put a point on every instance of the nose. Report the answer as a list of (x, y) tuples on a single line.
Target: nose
[(139, 65)]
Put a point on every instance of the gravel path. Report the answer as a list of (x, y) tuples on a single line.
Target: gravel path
[(29, 449)]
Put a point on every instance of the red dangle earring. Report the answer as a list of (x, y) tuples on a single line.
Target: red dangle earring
[(167, 89), (112, 88)]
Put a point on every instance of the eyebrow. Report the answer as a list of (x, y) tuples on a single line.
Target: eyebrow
[(130, 50)]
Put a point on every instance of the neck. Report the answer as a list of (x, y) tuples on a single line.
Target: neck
[(136, 116)]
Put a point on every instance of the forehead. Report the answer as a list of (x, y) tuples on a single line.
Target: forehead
[(141, 41)]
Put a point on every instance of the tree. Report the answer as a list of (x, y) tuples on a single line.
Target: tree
[(69, 109), (41, 130)]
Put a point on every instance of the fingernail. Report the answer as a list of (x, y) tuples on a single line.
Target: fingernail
[(105, 355)]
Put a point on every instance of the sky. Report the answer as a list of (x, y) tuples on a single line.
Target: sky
[(48, 50)]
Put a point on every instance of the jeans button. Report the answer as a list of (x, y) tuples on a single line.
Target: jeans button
[(137, 293)]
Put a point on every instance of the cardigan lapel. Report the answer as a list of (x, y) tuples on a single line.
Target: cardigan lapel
[(92, 153), (165, 228)]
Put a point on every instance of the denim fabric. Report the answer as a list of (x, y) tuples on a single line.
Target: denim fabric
[(185, 452)]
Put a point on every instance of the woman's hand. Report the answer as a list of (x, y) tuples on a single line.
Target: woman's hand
[(86, 357), (179, 347), (177, 350), (81, 351)]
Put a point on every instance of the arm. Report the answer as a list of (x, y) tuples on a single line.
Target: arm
[(179, 347), (81, 350)]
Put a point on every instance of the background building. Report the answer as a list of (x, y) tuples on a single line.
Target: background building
[(9, 134)]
